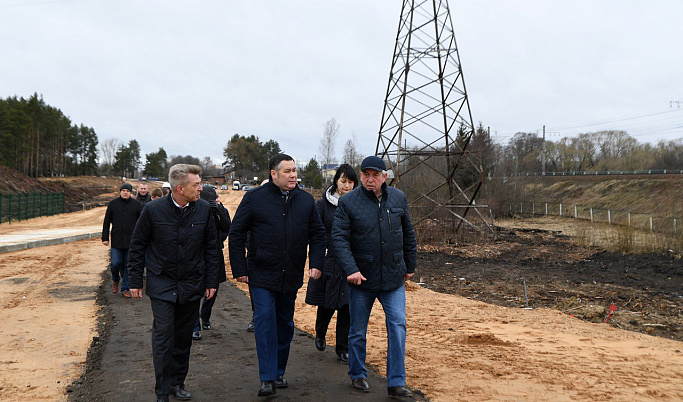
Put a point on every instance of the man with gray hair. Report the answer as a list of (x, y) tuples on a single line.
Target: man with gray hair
[(175, 238)]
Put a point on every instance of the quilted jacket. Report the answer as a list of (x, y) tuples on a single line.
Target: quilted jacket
[(281, 228), (179, 249), (375, 237)]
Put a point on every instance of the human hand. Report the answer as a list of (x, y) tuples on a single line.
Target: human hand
[(315, 273), (210, 292), (408, 276), (356, 278), (243, 279), (136, 293), (106, 243)]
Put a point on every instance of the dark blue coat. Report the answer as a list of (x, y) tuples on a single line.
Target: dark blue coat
[(280, 228), (178, 248), (375, 237)]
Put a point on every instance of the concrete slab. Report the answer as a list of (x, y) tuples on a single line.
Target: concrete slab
[(46, 237)]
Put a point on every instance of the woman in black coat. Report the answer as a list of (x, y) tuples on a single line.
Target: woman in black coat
[(330, 292)]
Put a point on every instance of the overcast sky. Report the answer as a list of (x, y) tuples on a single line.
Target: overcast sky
[(187, 75)]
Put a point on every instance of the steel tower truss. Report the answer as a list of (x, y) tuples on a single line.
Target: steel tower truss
[(427, 125)]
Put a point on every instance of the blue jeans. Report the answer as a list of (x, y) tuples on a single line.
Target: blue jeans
[(273, 330), (394, 305), (119, 266)]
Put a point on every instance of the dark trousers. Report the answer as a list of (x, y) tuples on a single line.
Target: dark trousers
[(171, 342), (273, 330), (205, 311), (322, 321)]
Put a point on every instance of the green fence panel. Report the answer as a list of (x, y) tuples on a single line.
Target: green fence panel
[(22, 206)]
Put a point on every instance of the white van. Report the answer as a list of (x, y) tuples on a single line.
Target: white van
[(235, 185)]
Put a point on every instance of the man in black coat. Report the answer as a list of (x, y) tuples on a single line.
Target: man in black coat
[(221, 218), (283, 222), (143, 195), (175, 238), (122, 214)]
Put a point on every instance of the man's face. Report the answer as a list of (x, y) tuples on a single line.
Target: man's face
[(125, 194), (190, 191), (286, 176), (142, 189), (372, 180)]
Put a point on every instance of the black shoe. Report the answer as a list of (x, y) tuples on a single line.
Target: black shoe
[(206, 325), (320, 343), (281, 382), (162, 398), (343, 357), (196, 335), (267, 388), (250, 327), (399, 391), (361, 384), (180, 392)]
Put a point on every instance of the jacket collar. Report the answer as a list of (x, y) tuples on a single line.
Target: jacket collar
[(371, 194)]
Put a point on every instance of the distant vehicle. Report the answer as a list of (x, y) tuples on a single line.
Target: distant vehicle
[(235, 185), (247, 187), (224, 187)]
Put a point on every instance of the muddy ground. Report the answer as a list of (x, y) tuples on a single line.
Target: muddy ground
[(647, 289)]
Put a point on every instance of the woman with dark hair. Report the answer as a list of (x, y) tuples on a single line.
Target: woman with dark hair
[(330, 292)]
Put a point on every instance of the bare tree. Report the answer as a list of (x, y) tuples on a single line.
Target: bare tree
[(327, 143), (109, 148), (351, 154)]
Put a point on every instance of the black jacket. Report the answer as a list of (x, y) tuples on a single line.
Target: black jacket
[(221, 218), (281, 229), (121, 215), (144, 199), (331, 290), (375, 237), (177, 247)]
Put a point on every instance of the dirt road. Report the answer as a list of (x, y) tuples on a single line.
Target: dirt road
[(458, 349)]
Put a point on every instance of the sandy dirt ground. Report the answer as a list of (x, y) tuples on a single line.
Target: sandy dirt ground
[(458, 349)]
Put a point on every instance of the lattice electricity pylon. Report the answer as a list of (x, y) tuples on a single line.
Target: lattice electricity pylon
[(427, 125)]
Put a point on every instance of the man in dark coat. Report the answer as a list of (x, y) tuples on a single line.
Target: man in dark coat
[(175, 238), (283, 222), (221, 217), (143, 195), (122, 214), (374, 241)]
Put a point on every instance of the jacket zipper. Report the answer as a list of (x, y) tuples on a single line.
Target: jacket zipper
[(389, 218)]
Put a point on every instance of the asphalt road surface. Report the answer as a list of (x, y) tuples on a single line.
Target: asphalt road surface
[(223, 364)]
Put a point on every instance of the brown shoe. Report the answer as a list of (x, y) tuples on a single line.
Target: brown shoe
[(399, 391), (126, 294), (361, 384), (114, 287)]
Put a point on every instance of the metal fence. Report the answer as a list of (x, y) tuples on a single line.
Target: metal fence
[(650, 222), (24, 206)]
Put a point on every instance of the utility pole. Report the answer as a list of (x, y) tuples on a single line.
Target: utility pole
[(543, 153)]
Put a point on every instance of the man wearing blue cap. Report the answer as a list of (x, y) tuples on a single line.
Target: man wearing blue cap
[(374, 241)]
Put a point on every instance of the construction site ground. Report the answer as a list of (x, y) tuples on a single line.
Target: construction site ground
[(473, 335)]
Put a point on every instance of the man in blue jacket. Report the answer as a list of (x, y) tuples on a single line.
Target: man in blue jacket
[(282, 222), (175, 238), (374, 242)]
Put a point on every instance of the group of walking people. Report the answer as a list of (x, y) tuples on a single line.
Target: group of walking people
[(360, 246)]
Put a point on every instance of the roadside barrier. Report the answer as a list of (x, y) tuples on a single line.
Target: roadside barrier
[(22, 206)]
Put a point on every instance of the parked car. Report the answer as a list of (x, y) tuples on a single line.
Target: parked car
[(247, 187), (224, 187), (236, 185)]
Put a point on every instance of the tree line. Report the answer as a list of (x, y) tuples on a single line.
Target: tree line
[(40, 140)]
